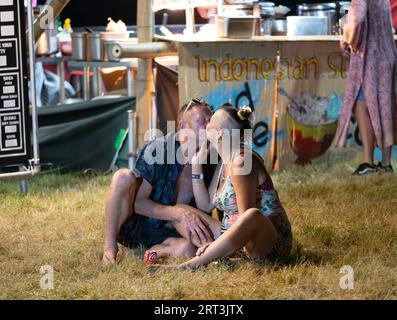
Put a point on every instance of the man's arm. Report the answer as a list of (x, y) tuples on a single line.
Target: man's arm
[(197, 230)]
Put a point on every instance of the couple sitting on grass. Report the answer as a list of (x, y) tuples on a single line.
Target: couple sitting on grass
[(165, 205)]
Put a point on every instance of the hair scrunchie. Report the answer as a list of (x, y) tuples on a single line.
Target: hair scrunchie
[(244, 113)]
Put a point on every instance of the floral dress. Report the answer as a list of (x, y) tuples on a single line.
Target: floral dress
[(267, 201)]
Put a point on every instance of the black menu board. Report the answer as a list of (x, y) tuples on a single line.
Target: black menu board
[(15, 144)]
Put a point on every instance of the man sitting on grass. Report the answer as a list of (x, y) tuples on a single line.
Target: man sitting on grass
[(151, 206)]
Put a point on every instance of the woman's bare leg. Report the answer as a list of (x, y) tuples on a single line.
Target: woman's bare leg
[(366, 131), (386, 156), (175, 247), (118, 207), (252, 230)]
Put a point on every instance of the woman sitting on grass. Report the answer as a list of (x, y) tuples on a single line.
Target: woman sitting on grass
[(254, 218)]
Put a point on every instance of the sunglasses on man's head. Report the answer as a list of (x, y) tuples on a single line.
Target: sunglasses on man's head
[(196, 101)]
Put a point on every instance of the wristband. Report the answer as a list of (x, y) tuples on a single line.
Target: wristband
[(197, 176)]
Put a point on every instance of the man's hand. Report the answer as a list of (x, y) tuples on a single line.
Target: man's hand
[(196, 228)]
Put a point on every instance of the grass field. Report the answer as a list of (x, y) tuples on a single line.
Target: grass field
[(337, 220)]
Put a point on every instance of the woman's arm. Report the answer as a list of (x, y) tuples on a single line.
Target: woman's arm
[(245, 185), (237, 236), (200, 191), (354, 28)]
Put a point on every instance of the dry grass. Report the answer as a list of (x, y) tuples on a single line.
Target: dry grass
[(337, 220)]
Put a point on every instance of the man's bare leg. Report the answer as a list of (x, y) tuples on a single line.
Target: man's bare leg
[(118, 207)]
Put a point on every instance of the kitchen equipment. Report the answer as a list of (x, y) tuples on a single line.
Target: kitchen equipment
[(95, 47), (267, 13), (79, 45), (279, 27), (328, 10), (307, 25), (108, 35), (281, 11), (243, 9), (48, 43), (108, 53), (344, 7), (236, 27)]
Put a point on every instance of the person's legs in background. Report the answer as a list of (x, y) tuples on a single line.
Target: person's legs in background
[(386, 157), (367, 135), (366, 131), (386, 152)]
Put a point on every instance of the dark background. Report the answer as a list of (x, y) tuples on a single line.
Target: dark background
[(96, 12)]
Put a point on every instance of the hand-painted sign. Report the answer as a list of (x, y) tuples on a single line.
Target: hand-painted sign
[(295, 89)]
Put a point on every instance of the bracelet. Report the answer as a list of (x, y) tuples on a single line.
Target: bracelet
[(197, 176)]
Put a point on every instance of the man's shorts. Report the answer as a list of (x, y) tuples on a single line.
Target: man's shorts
[(140, 230)]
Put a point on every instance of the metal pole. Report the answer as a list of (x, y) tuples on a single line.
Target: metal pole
[(23, 185), (220, 7), (129, 81), (153, 117), (86, 83), (131, 139), (36, 156), (25, 174), (95, 81), (189, 18), (61, 74)]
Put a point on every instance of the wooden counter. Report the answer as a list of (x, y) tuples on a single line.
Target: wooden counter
[(201, 39)]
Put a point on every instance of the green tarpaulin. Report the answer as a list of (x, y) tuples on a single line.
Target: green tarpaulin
[(87, 135)]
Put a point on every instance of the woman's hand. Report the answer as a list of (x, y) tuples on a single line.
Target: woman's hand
[(200, 157), (202, 249), (345, 48)]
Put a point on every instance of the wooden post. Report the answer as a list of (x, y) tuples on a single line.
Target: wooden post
[(144, 82)]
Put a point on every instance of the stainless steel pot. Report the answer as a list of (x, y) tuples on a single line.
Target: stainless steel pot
[(267, 9), (95, 47), (328, 10), (47, 43), (108, 53), (307, 25), (267, 13), (279, 27), (79, 45), (344, 7), (236, 27)]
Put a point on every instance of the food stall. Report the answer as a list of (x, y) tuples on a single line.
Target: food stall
[(287, 68), (294, 81), (293, 84)]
